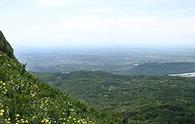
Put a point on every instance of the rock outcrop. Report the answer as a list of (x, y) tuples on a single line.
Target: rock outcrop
[(5, 47)]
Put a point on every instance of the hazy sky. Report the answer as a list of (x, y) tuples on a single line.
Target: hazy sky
[(39, 23)]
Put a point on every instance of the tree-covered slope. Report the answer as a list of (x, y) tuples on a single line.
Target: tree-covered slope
[(145, 99)]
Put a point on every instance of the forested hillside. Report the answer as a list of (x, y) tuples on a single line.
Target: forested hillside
[(142, 99)]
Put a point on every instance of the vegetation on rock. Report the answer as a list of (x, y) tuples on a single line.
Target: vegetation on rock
[(5, 47)]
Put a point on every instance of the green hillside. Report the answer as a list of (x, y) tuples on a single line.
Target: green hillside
[(145, 99), (26, 100)]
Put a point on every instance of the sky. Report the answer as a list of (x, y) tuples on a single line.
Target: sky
[(80, 23)]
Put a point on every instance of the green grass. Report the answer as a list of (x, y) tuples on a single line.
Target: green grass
[(24, 99)]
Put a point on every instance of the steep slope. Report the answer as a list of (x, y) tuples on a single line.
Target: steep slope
[(5, 47), (24, 99)]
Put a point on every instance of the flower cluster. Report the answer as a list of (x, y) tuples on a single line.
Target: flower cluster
[(2, 112), (3, 89)]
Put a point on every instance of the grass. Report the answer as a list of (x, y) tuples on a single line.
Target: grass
[(26, 100)]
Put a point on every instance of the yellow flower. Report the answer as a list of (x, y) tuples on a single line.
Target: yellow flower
[(2, 111), (17, 115)]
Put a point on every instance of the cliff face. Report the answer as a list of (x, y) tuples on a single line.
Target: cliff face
[(5, 47)]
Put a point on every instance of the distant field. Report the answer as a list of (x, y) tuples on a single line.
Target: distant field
[(119, 61), (163, 68)]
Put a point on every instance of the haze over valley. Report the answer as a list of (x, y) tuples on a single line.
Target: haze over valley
[(97, 62), (124, 60)]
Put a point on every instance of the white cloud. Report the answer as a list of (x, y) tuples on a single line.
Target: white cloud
[(82, 30)]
